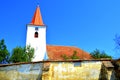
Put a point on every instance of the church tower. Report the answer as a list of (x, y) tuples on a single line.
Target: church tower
[(36, 36)]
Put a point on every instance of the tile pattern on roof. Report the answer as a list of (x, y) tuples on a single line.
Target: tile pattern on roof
[(55, 52)]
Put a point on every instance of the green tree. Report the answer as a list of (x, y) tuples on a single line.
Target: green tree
[(20, 54), (64, 56), (97, 54), (73, 56), (29, 52), (4, 54)]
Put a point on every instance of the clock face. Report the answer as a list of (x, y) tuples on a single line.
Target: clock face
[(36, 28)]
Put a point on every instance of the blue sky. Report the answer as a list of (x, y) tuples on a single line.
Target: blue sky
[(87, 24)]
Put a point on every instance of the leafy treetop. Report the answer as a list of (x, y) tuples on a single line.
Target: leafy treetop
[(20, 54), (4, 54), (97, 54)]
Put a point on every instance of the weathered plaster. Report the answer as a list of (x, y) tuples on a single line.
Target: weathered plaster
[(57, 70), (21, 72)]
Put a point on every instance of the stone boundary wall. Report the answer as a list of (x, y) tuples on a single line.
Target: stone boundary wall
[(55, 70), (85, 70), (21, 71)]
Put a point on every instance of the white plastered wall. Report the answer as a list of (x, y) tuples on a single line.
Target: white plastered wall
[(39, 44)]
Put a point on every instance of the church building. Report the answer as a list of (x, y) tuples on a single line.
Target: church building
[(36, 38)]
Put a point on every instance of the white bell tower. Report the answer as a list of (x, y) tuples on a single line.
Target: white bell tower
[(36, 36)]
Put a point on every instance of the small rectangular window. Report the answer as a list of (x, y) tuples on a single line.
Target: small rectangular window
[(77, 64), (36, 28)]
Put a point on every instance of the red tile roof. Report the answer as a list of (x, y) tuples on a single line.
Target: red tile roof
[(56, 52), (37, 18)]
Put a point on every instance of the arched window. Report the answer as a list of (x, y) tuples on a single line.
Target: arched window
[(36, 35)]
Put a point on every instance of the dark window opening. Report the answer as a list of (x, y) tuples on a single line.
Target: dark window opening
[(36, 35)]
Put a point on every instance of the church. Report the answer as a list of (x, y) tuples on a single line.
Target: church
[(36, 38), (49, 62)]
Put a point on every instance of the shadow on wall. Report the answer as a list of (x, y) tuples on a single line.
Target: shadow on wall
[(39, 76), (103, 74), (107, 73), (112, 77)]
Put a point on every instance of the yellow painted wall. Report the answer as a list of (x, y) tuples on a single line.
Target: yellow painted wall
[(67, 71)]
